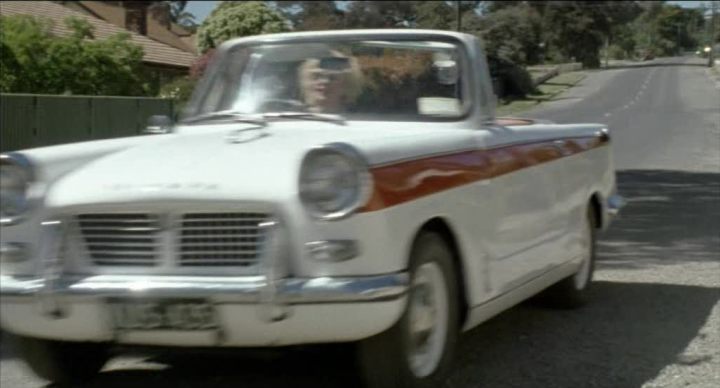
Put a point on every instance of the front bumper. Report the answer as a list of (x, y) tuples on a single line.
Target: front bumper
[(252, 311)]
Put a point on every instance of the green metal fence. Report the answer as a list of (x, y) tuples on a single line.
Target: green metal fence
[(29, 120)]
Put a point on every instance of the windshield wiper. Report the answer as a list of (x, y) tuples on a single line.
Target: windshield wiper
[(331, 118), (227, 114)]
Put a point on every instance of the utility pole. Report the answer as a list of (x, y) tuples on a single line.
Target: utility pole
[(459, 15), (711, 54), (607, 51)]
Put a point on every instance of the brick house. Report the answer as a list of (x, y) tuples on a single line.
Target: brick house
[(166, 56)]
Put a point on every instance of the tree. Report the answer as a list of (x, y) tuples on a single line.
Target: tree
[(35, 61), (435, 15), (581, 28), (236, 19), (665, 29), (513, 34), (380, 14), (179, 16), (312, 15)]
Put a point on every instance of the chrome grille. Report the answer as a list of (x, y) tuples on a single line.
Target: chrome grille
[(217, 239), (124, 239)]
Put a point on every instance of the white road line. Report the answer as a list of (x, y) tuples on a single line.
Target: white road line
[(608, 114)]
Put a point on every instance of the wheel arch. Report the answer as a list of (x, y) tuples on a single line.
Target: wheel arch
[(442, 227)]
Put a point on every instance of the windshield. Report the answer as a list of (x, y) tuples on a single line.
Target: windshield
[(361, 80)]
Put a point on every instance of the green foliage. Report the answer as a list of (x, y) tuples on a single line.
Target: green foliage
[(435, 15), (380, 14), (34, 61), (667, 29), (9, 68), (312, 15), (323, 15), (510, 79), (236, 19), (569, 30), (513, 34), (180, 90), (180, 16)]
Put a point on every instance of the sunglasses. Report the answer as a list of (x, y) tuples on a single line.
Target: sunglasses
[(325, 76), (335, 63)]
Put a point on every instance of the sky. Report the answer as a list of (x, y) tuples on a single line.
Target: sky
[(201, 9)]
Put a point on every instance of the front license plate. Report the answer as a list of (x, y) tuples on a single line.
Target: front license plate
[(183, 314)]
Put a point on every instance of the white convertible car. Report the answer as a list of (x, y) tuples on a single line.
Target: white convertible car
[(344, 186)]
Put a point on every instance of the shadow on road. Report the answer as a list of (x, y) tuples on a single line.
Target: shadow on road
[(330, 366), (623, 338), (671, 217)]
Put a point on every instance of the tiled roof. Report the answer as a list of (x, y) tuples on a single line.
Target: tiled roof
[(154, 52), (155, 30)]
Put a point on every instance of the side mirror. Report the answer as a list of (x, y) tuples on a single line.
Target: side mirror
[(446, 72), (158, 125)]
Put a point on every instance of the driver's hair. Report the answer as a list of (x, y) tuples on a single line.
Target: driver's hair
[(352, 77)]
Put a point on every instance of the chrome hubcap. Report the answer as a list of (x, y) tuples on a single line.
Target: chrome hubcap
[(428, 319)]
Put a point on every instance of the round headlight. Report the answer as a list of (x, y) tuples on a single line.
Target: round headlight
[(15, 177), (334, 181)]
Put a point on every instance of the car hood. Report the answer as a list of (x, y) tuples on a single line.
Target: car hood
[(202, 163)]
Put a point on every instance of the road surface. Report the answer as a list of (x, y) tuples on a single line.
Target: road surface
[(655, 318)]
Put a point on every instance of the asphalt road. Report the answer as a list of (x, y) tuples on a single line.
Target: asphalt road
[(654, 320)]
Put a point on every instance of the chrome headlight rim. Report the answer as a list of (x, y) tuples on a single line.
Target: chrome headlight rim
[(361, 169), (28, 175)]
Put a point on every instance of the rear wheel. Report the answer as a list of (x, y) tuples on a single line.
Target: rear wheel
[(571, 292), (61, 362), (418, 350)]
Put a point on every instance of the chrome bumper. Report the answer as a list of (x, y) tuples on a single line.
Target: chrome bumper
[(298, 311), (220, 289)]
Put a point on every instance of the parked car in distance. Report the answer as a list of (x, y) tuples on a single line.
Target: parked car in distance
[(339, 186)]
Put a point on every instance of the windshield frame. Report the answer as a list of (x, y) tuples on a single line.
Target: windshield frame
[(219, 65)]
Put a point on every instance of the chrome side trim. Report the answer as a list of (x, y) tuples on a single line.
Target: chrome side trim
[(218, 289)]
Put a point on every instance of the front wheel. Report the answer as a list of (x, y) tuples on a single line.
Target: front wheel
[(64, 363), (418, 350)]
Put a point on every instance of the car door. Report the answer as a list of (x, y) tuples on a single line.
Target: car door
[(528, 227)]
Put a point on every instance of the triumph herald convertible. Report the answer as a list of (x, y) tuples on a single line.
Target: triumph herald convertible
[(340, 186)]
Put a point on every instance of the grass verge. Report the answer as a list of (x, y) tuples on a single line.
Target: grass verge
[(546, 92)]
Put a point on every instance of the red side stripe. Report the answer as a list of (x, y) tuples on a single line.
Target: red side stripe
[(406, 181)]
